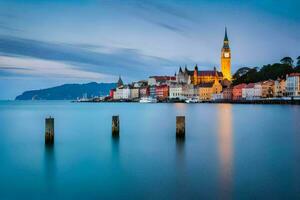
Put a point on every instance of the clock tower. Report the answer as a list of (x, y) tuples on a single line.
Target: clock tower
[(226, 58)]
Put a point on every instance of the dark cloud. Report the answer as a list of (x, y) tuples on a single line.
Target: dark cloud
[(14, 68), (170, 27), (166, 9), (162, 14), (118, 61)]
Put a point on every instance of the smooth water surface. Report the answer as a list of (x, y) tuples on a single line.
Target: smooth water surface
[(230, 151)]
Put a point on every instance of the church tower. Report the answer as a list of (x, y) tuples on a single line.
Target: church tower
[(226, 58)]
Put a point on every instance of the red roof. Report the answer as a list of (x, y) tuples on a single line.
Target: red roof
[(164, 78), (209, 73), (294, 74), (240, 86), (250, 85), (161, 86)]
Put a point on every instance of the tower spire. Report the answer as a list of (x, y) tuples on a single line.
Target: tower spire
[(226, 58), (226, 37), (120, 82)]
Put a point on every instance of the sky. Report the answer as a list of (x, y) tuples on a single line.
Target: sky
[(45, 43)]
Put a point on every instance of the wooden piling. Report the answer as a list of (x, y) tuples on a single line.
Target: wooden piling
[(49, 130), (180, 126), (115, 126)]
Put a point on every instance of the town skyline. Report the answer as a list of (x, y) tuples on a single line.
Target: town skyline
[(46, 47)]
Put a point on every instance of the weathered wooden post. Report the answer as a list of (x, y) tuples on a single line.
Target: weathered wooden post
[(115, 126), (180, 126), (49, 130)]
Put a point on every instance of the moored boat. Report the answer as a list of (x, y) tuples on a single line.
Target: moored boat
[(148, 100)]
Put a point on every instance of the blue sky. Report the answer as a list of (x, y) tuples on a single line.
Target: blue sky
[(49, 42)]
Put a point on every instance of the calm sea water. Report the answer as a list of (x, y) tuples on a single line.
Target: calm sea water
[(230, 151)]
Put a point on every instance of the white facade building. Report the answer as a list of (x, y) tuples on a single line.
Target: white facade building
[(118, 93), (175, 91), (218, 96), (252, 91), (292, 85), (122, 93)]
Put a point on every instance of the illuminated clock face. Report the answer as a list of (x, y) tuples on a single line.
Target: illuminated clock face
[(226, 55)]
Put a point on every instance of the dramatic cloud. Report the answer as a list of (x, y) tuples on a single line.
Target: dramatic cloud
[(42, 68), (110, 61)]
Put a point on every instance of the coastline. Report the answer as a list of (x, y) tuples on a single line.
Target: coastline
[(262, 101)]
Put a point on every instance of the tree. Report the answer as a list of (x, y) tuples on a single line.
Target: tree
[(297, 68), (240, 72), (246, 75), (287, 61), (266, 72)]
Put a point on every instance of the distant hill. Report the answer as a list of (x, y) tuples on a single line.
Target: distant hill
[(68, 92)]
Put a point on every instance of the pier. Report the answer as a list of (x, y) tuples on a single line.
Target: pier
[(49, 131), (180, 127), (115, 127)]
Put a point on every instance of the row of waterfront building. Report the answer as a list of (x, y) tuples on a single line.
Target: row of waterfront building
[(206, 85), (211, 87), (186, 83)]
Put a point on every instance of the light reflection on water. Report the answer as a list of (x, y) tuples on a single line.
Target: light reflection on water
[(230, 151), (225, 149)]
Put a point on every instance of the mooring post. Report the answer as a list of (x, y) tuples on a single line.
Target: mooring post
[(115, 126), (180, 126), (49, 130)]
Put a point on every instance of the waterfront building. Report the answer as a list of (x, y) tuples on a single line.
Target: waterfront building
[(258, 90), (111, 93), (189, 91), (152, 91), (118, 93), (293, 84), (134, 93), (267, 89), (197, 77), (227, 93), (252, 91), (237, 91), (226, 58), (140, 84), (279, 88), (122, 92), (176, 91), (217, 86), (216, 97), (184, 77), (206, 90), (248, 91), (162, 91), (144, 91), (160, 80)]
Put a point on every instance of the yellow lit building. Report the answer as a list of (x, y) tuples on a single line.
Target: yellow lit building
[(226, 58), (197, 77), (206, 90), (267, 88)]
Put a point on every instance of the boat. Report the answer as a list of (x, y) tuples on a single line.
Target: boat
[(148, 100), (192, 100)]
